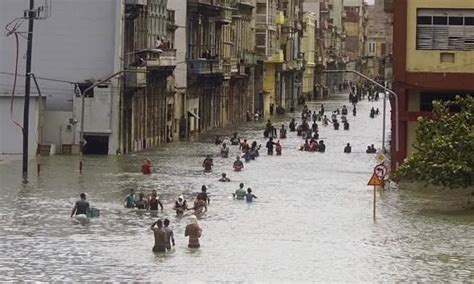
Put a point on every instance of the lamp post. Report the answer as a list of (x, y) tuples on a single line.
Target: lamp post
[(387, 91)]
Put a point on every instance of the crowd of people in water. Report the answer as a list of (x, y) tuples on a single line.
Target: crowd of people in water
[(308, 129)]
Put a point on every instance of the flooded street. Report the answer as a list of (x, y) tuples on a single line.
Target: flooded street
[(312, 220)]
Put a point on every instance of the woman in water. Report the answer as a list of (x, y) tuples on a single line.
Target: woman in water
[(193, 231)]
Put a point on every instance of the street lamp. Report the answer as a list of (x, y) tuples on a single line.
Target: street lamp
[(387, 91)]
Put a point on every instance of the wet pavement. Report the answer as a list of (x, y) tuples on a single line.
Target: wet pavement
[(312, 220)]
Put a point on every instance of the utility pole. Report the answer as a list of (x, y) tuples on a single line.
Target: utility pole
[(26, 109)]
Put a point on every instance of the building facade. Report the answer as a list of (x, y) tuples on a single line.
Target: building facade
[(431, 52), (355, 27), (375, 51), (148, 101)]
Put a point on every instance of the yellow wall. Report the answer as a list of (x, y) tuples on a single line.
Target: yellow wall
[(308, 80), (429, 60), (268, 87)]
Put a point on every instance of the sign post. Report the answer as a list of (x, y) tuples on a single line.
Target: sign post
[(380, 171)]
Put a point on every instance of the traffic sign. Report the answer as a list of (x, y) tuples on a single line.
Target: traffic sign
[(375, 181), (380, 170), (381, 157)]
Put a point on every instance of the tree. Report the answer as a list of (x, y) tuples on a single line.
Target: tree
[(444, 146)]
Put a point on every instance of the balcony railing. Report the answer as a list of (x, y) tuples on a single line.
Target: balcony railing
[(247, 3), (167, 58), (202, 51), (216, 3), (248, 58), (263, 20), (203, 67)]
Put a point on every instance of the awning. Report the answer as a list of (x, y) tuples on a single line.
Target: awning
[(193, 114)]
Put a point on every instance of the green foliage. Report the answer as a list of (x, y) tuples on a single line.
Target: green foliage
[(444, 146)]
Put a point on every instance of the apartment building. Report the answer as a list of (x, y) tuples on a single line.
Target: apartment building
[(432, 51)]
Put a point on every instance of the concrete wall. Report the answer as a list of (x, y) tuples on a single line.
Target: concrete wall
[(429, 60), (11, 136), (56, 129)]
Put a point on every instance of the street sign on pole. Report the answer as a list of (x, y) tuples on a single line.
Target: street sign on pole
[(375, 181), (381, 158), (380, 171)]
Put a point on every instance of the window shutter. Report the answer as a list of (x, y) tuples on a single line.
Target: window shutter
[(425, 37)]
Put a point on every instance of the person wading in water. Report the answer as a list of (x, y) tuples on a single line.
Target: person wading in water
[(160, 236), (194, 232)]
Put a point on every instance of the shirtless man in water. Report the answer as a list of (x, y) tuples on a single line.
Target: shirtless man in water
[(81, 207), (160, 236)]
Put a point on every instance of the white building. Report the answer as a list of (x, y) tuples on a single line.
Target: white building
[(79, 43), (10, 133)]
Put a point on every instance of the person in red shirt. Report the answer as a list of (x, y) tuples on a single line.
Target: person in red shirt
[(146, 167)]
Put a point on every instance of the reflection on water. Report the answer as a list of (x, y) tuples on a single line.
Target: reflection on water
[(311, 222)]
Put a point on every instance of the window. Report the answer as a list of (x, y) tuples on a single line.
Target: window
[(83, 87), (427, 98), (371, 47), (445, 29)]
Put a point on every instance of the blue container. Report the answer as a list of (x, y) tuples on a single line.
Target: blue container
[(93, 212)]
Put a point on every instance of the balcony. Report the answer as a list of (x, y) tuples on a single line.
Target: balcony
[(215, 3), (170, 20), (261, 20), (248, 58), (136, 2), (280, 18), (225, 16), (276, 56), (165, 60), (388, 6), (136, 79), (246, 3), (206, 67)]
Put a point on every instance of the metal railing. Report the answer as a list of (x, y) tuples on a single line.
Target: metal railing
[(206, 66), (202, 51)]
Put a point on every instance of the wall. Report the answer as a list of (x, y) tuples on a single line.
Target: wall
[(429, 60), (56, 129), (75, 44), (80, 41), (269, 87), (11, 136)]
